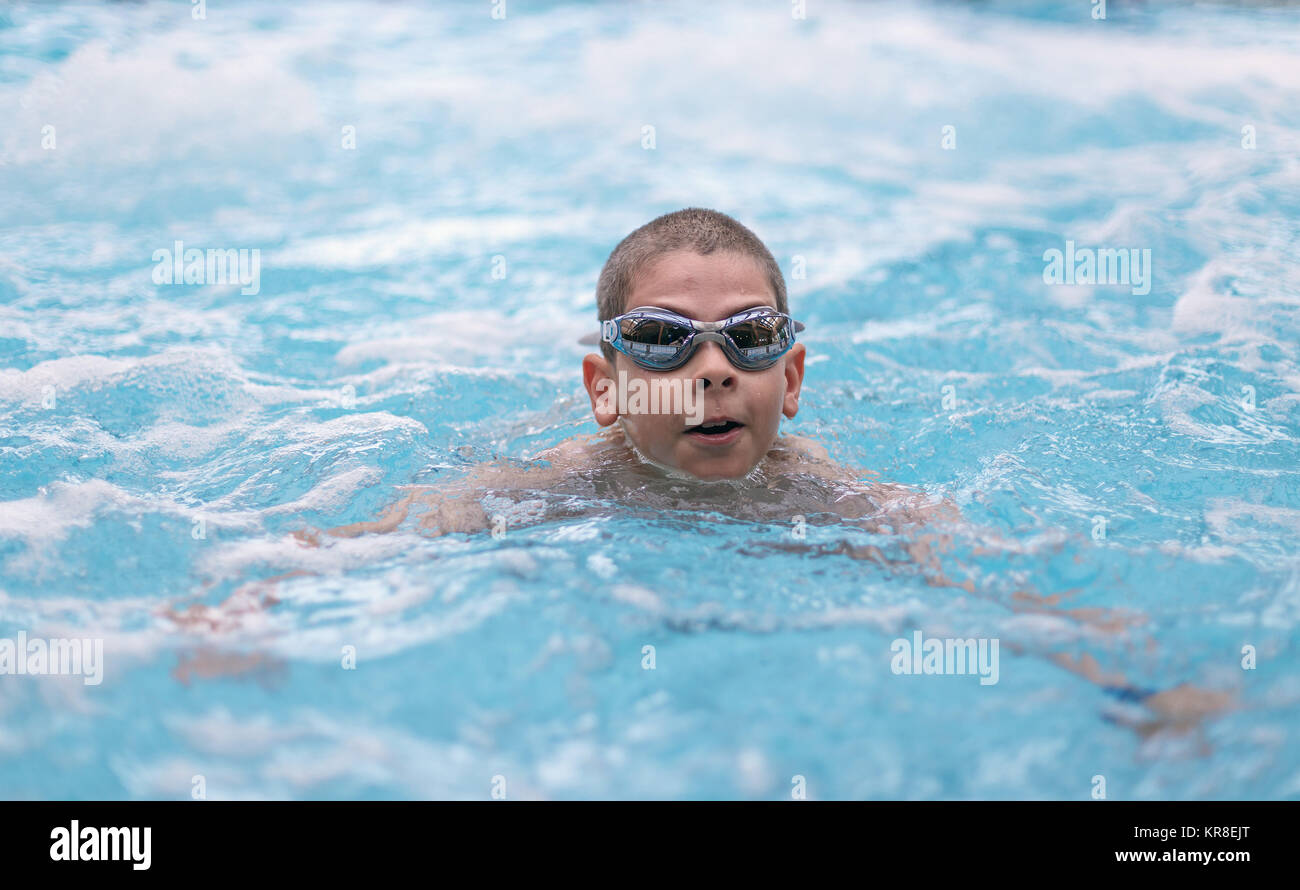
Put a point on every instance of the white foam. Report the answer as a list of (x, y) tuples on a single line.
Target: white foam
[(463, 336), (242, 96), (1222, 515), (414, 240)]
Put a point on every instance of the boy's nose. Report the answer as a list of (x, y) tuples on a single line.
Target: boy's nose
[(710, 364)]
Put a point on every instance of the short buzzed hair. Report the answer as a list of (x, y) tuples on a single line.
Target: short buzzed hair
[(694, 228)]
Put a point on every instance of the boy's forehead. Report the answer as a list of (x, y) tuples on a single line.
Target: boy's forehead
[(707, 287)]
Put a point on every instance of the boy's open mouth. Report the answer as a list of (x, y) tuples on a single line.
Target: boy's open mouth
[(716, 432)]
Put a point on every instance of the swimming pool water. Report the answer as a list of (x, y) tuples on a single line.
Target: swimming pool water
[(159, 442)]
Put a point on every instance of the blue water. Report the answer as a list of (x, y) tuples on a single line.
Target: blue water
[(192, 428)]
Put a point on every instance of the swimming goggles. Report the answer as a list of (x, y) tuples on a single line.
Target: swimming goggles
[(659, 340)]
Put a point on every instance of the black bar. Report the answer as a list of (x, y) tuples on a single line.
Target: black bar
[(217, 840)]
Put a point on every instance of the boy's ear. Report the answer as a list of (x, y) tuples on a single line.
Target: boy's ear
[(598, 378), (793, 380)]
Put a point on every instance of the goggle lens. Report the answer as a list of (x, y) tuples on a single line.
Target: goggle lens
[(654, 340), (759, 338)]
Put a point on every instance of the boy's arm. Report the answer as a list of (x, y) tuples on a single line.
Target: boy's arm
[(874, 506), (446, 512), (392, 516), (1179, 708), (453, 508)]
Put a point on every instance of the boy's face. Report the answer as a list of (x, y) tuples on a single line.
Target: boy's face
[(704, 288)]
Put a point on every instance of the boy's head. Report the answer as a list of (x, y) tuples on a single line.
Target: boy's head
[(705, 266)]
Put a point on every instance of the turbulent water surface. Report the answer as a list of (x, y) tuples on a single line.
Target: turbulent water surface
[(431, 193)]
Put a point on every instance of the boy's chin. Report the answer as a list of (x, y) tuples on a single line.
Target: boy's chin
[(716, 469), (726, 476), (684, 458)]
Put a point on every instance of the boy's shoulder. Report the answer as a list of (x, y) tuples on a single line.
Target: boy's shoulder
[(801, 447), (800, 454), (859, 493)]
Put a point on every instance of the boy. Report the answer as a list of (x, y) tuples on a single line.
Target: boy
[(693, 298)]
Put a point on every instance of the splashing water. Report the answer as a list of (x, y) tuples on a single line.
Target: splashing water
[(431, 194)]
